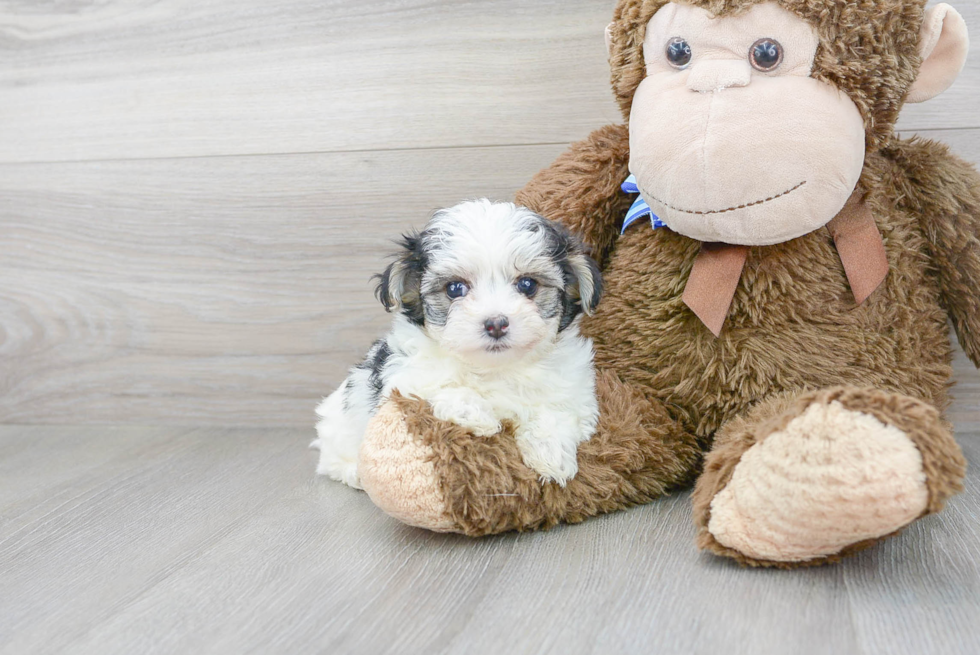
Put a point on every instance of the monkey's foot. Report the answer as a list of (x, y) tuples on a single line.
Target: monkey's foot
[(437, 475), (398, 473), (808, 480)]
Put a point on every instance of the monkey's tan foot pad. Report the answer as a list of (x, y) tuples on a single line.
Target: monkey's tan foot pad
[(438, 475), (833, 480), (398, 473)]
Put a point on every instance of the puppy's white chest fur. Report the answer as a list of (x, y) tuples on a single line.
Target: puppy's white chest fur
[(549, 395)]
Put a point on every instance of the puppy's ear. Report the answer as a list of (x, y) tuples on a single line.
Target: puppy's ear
[(588, 279), (583, 279), (400, 286), (388, 290)]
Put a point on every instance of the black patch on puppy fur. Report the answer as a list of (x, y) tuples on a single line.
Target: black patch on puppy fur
[(436, 306), (401, 283), (562, 245), (374, 363), (550, 301)]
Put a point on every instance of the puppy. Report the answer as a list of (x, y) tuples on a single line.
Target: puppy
[(488, 296)]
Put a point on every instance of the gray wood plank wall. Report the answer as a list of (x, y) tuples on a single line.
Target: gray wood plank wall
[(193, 194)]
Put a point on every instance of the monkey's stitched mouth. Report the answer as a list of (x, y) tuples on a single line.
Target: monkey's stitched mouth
[(723, 211)]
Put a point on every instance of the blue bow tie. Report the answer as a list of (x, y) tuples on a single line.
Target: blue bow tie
[(640, 208)]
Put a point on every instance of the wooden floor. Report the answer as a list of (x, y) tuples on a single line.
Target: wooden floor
[(179, 540), (193, 196)]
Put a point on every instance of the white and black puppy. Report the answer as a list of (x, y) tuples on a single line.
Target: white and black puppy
[(487, 298)]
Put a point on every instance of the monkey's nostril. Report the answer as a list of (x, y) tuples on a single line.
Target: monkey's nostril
[(497, 326)]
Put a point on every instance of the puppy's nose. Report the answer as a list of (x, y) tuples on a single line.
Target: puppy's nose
[(497, 326)]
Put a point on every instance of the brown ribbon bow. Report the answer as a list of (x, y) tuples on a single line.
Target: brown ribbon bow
[(718, 267)]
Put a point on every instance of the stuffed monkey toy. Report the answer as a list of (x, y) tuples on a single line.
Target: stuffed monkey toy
[(780, 270)]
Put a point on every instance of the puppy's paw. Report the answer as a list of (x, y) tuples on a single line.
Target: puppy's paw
[(480, 423), (550, 453), (466, 409)]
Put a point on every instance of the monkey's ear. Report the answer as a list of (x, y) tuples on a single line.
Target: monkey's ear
[(943, 44), (609, 28)]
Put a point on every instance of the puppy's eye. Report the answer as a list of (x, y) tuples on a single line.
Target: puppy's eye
[(457, 289), (678, 52), (527, 286)]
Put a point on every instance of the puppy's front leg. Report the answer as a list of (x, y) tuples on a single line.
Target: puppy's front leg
[(465, 408), (549, 445)]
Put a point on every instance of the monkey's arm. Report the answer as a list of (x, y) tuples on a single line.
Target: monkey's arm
[(581, 189), (956, 239), (948, 202)]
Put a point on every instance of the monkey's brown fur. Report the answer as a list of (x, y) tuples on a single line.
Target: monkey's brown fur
[(637, 454), (921, 421), (669, 390)]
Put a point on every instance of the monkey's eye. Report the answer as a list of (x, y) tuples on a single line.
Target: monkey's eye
[(457, 289), (678, 52), (527, 286), (765, 55)]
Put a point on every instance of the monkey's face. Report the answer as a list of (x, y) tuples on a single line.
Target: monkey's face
[(731, 139)]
